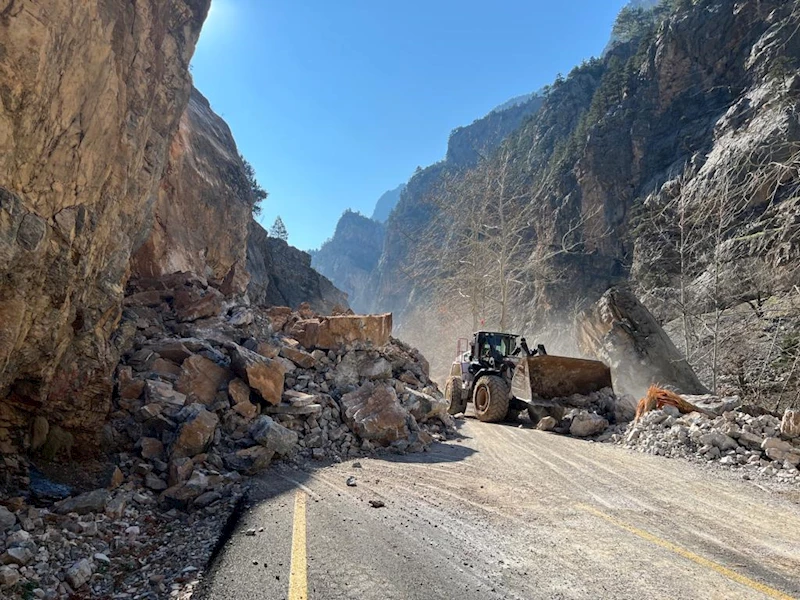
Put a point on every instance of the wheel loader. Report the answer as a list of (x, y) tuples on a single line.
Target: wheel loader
[(501, 376)]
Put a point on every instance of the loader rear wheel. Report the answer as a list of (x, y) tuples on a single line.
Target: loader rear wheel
[(491, 399), (454, 395)]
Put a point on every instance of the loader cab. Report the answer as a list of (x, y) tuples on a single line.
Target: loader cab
[(491, 348)]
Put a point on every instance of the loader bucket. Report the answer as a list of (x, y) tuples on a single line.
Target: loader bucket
[(550, 377)]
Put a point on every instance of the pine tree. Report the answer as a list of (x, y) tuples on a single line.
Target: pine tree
[(278, 230), (259, 193)]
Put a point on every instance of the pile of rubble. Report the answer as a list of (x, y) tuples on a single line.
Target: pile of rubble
[(208, 393), (752, 440), (108, 543), (600, 413)]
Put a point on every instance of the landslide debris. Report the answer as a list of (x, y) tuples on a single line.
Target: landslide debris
[(208, 393)]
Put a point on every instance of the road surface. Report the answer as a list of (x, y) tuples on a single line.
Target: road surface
[(510, 512)]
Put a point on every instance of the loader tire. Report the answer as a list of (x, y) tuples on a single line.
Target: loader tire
[(491, 399), (453, 395)]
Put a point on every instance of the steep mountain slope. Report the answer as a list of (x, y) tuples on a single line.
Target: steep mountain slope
[(112, 168), (91, 94), (281, 275), (688, 132), (204, 205), (350, 257), (354, 267)]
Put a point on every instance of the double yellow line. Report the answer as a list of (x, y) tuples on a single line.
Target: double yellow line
[(298, 574), (696, 558)]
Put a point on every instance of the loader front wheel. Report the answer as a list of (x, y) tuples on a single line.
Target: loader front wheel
[(454, 395), (491, 399)]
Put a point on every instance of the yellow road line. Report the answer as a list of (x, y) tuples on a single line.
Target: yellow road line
[(724, 571), (298, 576)]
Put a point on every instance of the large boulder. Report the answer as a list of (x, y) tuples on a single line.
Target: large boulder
[(790, 424), (195, 433), (621, 332), (358, 364), (327, 333), (262, 374), (273, 436), (374, 413)]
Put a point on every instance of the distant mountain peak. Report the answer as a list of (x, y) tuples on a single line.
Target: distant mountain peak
[(385, 204)]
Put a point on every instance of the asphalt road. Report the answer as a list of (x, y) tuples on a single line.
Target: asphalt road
[(509, 512)]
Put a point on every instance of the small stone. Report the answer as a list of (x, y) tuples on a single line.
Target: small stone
[(377, 503), (100, 557), (151, 447), (8, 576), (117, 478), (154, 482), (16, 556), (351, 481), (7, 519), (206, 499), (79, 573), (250, 532), (547, 423)]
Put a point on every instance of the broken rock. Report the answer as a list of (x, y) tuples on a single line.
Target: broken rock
[(272, 435), (585, 424), (424, 407), (374, 413), (328, 333), (262, 374), (299, 357), (790, 424), (547, 423), (200, 379), (196, 433), (249, 460), (90, 502)]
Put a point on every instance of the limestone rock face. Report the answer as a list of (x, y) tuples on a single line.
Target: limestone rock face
[(203, 206), (90, 97), (281, 275)]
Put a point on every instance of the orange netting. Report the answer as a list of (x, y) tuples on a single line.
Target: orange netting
[(657, 397)]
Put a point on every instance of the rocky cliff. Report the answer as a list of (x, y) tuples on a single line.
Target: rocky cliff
[(203, 208), (670, 163), (281, 275), (366, 260), (91, 94), (350, 257)]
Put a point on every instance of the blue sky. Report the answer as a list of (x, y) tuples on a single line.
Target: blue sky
[(336, 101)]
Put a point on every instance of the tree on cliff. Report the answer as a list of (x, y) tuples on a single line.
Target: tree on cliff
[(278, 230), (259, 193)]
